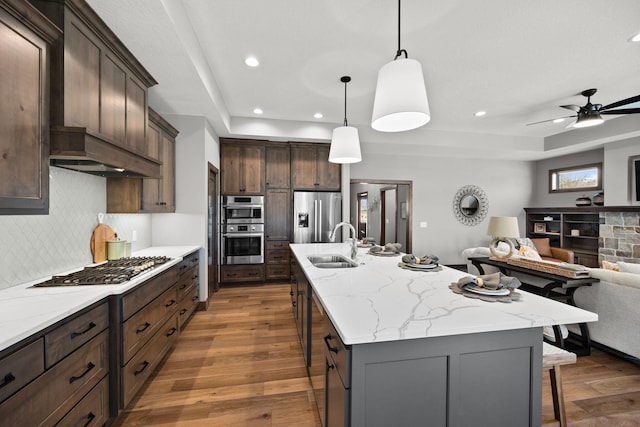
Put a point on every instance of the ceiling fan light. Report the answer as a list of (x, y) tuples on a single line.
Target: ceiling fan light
[(401, 97), (345, 145), (588, 120)]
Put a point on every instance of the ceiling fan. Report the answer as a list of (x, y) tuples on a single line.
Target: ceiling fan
[(591, 114)]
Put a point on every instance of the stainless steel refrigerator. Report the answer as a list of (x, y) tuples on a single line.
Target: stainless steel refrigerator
[(314, 216)]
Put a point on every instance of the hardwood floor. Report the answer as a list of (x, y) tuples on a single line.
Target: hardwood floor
[(240, 364)]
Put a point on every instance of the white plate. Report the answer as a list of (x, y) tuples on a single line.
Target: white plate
[(419, 266), (384, 253), (483, 291)]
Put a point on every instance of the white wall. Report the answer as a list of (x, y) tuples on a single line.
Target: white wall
[(196, 146), (36, 246), (618, 173), (541, 195), (508, 185)]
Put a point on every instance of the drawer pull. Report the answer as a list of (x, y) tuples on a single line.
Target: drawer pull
[(194, 298), (326, 341), (90, 417), (329, 365), (144, 366), (182, 287), (183, 267), (194, 277), (7, 379), (278, 257), (183, 311), (90, 366), (77, 334), (144, 328), (171, 332), (170, 303)]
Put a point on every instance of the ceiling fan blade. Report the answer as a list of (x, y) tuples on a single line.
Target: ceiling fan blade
[(550, 120), (572, 107), (621, 103), (621, 111)]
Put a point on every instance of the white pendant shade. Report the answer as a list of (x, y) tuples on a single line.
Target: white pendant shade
[(401, 97), (345, 145)]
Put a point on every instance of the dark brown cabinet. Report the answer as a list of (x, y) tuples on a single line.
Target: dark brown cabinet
[(278, 166), (242, 167), (24, 111), (149, 195), (277, 214), (311, 169), (98, 102)]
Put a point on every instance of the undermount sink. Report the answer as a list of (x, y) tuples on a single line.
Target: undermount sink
[(331, 261)]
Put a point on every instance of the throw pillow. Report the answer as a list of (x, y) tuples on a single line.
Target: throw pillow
[(542, 246), (606, 265), (627, 267), (523, 241), (528, 252)]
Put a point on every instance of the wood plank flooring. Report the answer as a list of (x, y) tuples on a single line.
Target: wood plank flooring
[(240, 364)]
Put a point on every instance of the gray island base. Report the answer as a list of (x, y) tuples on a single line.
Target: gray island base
[(385, 346)]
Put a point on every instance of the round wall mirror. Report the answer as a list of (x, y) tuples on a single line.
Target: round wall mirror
[(470, 205)]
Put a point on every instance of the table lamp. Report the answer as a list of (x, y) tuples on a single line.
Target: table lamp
[(500, 228)]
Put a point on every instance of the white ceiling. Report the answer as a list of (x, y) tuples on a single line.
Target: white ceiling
[(516, 59)]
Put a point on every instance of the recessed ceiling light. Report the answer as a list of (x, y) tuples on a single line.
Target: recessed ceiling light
[(252, 61), (635, 38), (318, 115), (558, 121), (480, 113), (258, 110)]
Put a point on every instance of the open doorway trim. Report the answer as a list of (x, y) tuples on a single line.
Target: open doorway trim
[(409, 206)]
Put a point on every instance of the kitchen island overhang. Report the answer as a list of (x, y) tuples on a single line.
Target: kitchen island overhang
[(419, 350)]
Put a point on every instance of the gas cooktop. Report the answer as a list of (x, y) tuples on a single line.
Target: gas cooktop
[(112, 272)]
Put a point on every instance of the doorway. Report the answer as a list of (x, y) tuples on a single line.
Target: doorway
[(362, 215), (212, 232)]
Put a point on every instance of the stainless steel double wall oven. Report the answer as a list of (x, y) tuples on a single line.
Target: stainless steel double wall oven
[(242, 229)]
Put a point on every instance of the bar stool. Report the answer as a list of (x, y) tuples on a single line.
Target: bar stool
[(552, 358)]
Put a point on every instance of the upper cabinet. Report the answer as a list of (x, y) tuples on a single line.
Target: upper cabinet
[(278, 166), (24, 114), (311, 169), (242, 167), (149, 195), (99, 93)]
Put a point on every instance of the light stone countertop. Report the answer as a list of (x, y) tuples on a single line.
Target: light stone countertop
[(379, 301), (25, 310)]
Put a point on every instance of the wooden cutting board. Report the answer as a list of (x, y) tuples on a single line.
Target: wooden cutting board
[(101, 234)]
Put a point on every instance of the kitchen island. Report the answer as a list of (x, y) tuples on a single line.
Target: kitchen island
[(409, 351)]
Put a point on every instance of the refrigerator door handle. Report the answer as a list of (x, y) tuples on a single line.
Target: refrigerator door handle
[(320, 223), (315, 221)]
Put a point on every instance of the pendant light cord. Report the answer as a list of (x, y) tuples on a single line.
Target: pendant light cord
[(400, 51), (345, 103)]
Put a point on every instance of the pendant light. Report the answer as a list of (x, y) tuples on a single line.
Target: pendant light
[(401, 97), (345, 144)]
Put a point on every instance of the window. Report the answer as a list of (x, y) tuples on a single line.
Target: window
[(577, 178)]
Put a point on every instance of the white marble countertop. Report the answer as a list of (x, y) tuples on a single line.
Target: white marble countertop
[(379, 301), (25, 310)]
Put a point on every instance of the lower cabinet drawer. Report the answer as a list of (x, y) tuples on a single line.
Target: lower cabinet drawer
[(242, 273), (137, 371), (19, 368), (140, 328), (48, 398), (187, 306), (278, 271), (92, 410)]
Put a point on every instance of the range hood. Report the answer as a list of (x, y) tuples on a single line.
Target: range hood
[(80, 150)]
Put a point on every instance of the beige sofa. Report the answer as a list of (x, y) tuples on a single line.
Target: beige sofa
[(616, 300)]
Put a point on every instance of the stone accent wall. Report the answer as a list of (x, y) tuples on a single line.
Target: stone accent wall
[(619, 237)]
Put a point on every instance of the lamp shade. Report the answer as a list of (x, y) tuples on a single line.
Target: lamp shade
[(345, 145), (503, 226), (401, 97)]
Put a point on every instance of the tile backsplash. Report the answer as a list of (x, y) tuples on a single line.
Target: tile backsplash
[(36, 246)]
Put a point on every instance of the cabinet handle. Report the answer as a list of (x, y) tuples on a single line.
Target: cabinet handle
[(329, 365), (194, 277), (144, 366), (293, 303), (7, 379), (278, 257), (163, 203), (183, 311), (194, 298), (183, 267), (170, 303), (90, 366), (90, 417), (326, 341), (291, 292), (182, 287), (231, 274), (77, 334), (144, 327), (171, 332)]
